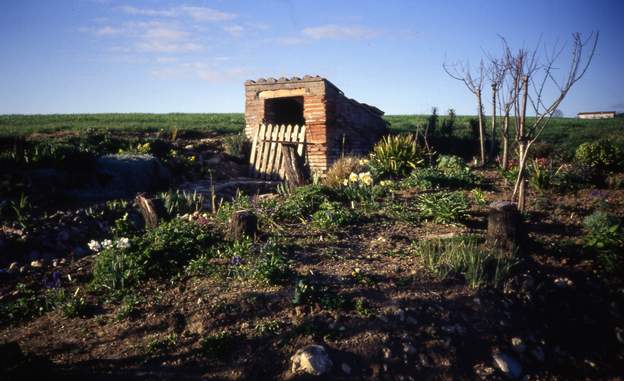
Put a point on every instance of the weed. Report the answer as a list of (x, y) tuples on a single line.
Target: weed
[(129, 307), (362, 308), (270, 327), (443, 207), (217, 345), (332, 215), (479, 197), (479, 265), (165, 344)]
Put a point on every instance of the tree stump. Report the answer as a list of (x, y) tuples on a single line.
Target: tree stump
[(505, 228), (243, 223), (293, 166), (152, 210)]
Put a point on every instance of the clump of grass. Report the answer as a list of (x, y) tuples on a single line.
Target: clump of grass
[(395, 156), (179, 202), (479, 264), (443, 207)]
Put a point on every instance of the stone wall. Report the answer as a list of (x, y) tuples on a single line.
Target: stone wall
[(330, 117)]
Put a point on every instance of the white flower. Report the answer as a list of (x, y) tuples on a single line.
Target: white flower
[(345, 182), (353, 177), (363, 161), (122, 243), (107, 243), (385, 183), (366, 178), (94, 245)]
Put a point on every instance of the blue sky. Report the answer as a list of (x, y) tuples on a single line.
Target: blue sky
[(83, 56)]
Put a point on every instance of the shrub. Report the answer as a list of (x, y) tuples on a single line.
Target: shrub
[(601, 155), (603, 233), (342, 168), (236, 145), (303, 202), (452, 165), (479, 265), (160, 252), (395, 156), (332, 215), (443, 207)]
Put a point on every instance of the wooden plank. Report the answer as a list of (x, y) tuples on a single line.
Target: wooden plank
[(293, 166), (265, 153), (258, 162), (278, 153), (272, 153), (286, 137), (301, 140), (252, 156)]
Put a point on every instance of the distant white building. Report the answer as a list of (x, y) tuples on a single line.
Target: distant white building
[(596, 115)]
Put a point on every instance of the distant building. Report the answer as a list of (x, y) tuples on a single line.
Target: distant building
[(596, 115)]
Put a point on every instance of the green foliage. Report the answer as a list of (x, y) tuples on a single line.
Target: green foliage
[(448, 124), (21, 209), (236, 145), (27, 303), (478, 197), (159, 252), (302, 202), (362, 308), (395, 156), (226, 209), (432, 178), (601, 155), (479, 265), (309, 292), (452, 165), (603, 233), (129, 307), (123, 227), (271, 266), (332, 215), (165, 344), (541, 175), (179, 202), (443, 207)]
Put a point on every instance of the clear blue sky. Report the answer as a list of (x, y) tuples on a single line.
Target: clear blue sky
[(83, 56)]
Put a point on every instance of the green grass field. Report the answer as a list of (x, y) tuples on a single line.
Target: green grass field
[(565, 134)]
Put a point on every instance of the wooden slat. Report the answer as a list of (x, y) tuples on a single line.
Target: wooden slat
[(301, 140), (254, 148), (266, 149), (258, 162), (286, 137), (272, 153), (278, 154)]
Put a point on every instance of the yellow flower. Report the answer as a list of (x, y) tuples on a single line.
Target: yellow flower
[(366, 178), (192, 158), (345, 182), (363, 161), (353, 177), (385, 183)]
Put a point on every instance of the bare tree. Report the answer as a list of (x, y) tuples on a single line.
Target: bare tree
[(529, 80), (496, 71), (506, 99), (474, 83)]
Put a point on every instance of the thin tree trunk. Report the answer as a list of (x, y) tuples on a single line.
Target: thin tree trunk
[(481, 132), (493, 135), (505, 159), (520, 186)]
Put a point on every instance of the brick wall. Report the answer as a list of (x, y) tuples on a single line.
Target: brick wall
[(328, 115)]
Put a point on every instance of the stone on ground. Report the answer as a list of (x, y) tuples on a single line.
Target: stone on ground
[(312, 359)]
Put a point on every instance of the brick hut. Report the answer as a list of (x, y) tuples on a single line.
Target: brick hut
[(332, 124)]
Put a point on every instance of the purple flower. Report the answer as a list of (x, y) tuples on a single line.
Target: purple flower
[(54, 281), (236, 260)]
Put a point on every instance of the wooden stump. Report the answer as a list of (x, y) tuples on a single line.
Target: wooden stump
[(243, 223), (152, 210), (293, 166), (505, 228)]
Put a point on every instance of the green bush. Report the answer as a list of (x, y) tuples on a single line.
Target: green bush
[(603, 233), (479, 265), (161, 251), (395, 156), (433, 178), (332, 215), (601, 155), (303, 202), (443, 207), (452, 165)]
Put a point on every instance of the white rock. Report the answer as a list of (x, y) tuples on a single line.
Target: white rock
[(508, 365), (312, 359), (387, 352), (36, 264), (13, 267)]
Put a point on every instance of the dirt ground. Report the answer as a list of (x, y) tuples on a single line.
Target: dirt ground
[(559, 316)]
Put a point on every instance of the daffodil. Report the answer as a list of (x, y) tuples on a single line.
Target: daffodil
[(353, 177), (94, 245), (366, 178), (107, 243), (363, 161), (122, 243)]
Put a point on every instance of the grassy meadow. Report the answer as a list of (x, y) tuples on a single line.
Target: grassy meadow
[(562, 135)]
